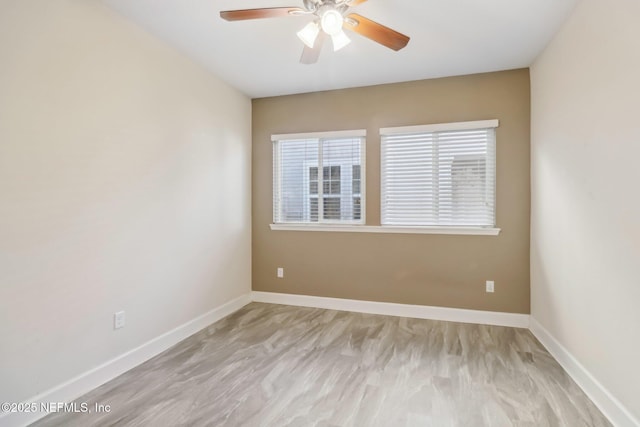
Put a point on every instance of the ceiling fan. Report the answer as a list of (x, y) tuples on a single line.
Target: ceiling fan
[(330, 19)]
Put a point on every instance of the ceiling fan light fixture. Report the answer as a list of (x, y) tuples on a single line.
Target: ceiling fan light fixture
[(340, 40), (331, 22), (309, 34), (329, 18)]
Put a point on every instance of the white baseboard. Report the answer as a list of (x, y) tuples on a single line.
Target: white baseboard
[(601, 397), (76, 387), (87, 381), (391, 309)]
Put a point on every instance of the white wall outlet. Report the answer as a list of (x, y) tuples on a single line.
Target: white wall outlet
[(490, 286), (118, 320), (280, 272)]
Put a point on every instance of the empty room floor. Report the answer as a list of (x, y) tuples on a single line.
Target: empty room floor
[(276, 365)]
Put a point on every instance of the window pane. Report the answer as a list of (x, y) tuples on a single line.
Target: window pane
[(335, 172), (332, 208), (356, 208), (313, 209), (468, 177), (444, 178), (356, 172), (307, 169), (295, 159), (335, 187), (340, 155)]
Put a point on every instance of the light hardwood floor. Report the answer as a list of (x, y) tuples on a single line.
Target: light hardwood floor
[(276, 365)]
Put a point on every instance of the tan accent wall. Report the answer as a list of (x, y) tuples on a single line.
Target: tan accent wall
[(439, 270)]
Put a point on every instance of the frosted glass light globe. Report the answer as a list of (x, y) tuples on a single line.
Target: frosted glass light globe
[(331, 22)]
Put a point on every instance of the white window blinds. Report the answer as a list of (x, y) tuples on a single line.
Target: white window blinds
[(318, 179), (439, 175)]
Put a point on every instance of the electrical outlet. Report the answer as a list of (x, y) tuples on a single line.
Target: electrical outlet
[(118, 320), (490, 286), (280, 272)]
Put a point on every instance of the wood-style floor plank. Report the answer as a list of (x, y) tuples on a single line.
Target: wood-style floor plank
[(275, 365)]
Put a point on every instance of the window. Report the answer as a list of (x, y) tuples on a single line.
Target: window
[(317, 178), (356, 185), (439, 175), (331, 194)]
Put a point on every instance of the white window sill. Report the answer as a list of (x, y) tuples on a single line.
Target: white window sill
[(473, 231)]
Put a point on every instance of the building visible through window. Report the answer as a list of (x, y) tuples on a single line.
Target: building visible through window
[(318, 180), (356, 184)]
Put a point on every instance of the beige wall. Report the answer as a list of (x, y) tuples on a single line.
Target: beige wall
[(585, 237), (124, 185), (435, 270)]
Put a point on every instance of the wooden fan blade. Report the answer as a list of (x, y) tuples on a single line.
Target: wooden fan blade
[(353, 3), (267, 12), (376, 32), (311, 55)]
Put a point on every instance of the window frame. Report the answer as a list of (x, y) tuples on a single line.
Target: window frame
[(374, 229), (443, 127), (321, 137)]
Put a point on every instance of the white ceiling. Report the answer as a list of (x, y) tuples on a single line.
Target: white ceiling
[(260, 57)]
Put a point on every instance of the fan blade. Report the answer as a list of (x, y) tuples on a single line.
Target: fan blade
[(353, 3), (376, 32), (267, 12), (309, 55)]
